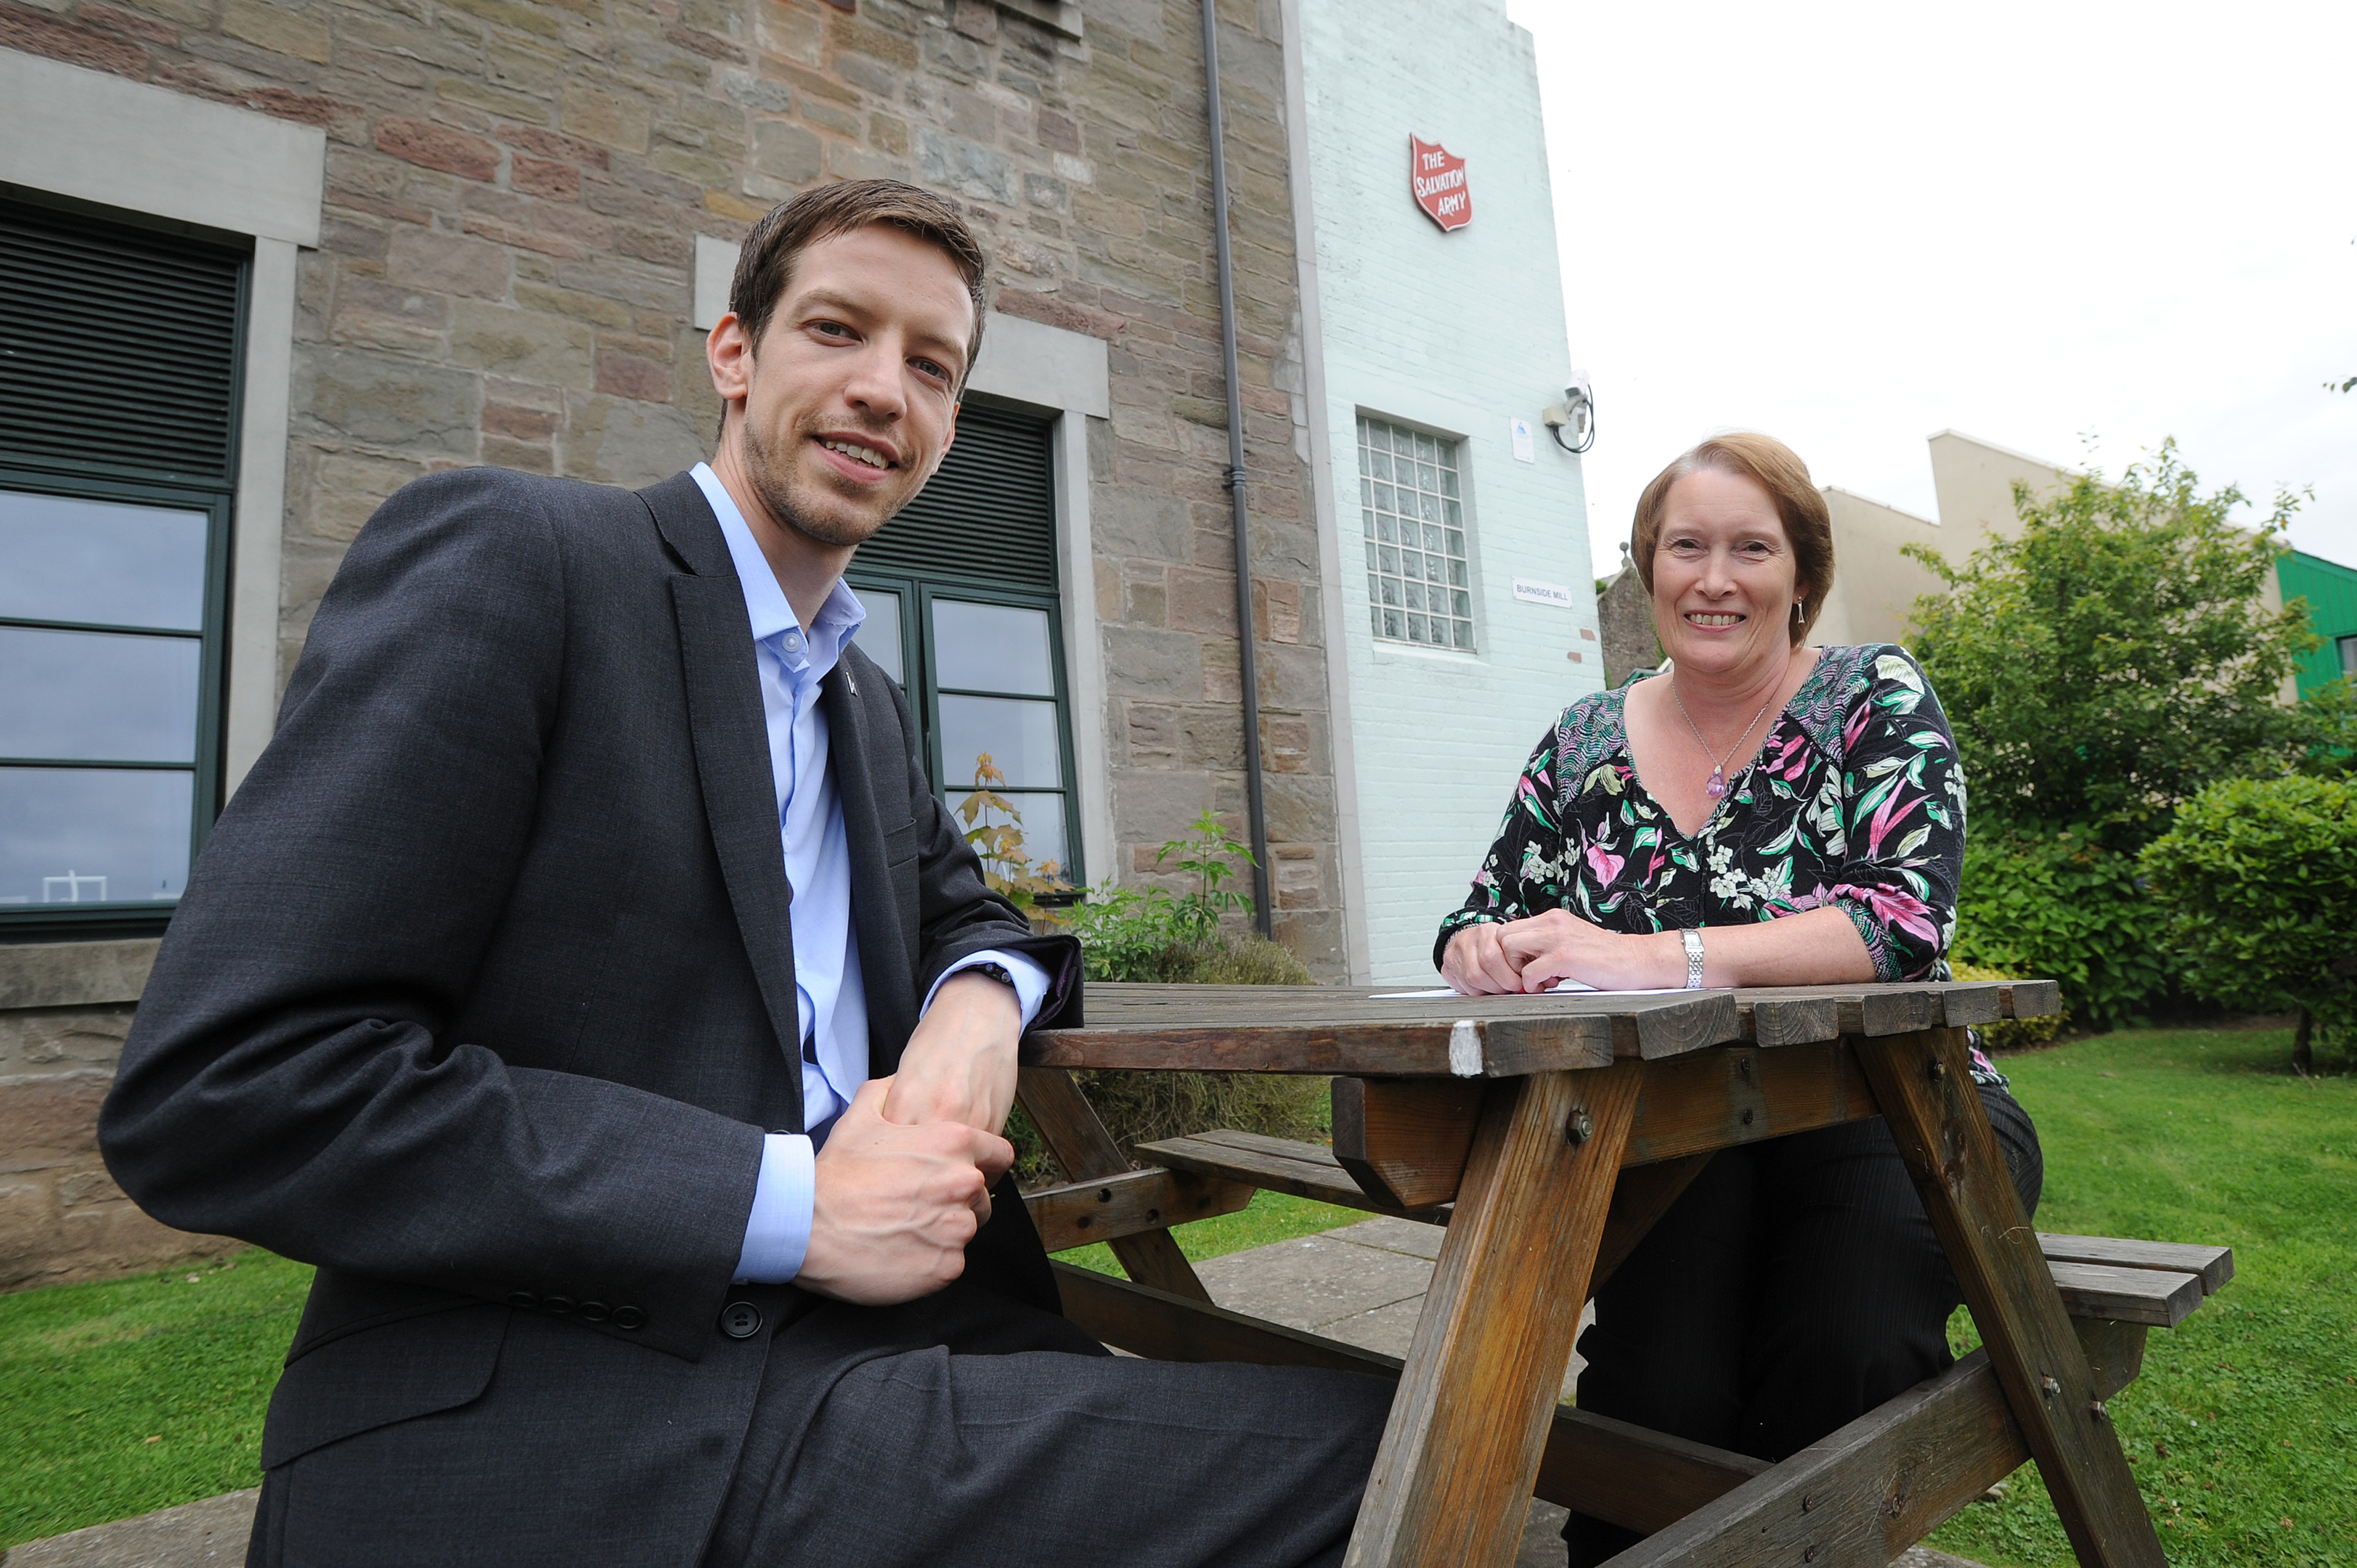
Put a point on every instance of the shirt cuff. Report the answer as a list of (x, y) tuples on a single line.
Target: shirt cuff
[(1030, 981), (777, 1233)]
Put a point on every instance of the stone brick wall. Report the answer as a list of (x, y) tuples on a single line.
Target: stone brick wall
[(505, 275), (61, 1030)]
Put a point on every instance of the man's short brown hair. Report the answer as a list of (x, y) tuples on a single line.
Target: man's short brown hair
[(1800, 505), (765, 265)]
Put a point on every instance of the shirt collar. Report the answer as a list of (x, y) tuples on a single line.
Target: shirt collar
[(838, 618)]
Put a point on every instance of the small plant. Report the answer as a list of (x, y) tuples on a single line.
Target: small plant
[(1209, 854), (1005, 864)]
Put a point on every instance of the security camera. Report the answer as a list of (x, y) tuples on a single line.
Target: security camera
[(1577, 411)]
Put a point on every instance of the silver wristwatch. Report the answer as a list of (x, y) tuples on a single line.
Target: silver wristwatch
[(1693, 940)]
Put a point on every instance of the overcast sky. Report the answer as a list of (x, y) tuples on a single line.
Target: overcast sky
[(2042, 225)]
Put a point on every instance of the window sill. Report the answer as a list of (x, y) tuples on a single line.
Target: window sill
[(79, 972)]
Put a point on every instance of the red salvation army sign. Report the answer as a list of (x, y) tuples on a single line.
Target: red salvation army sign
[(1439, 179)]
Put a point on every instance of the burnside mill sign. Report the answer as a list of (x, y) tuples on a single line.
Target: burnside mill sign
[(1438, 177)]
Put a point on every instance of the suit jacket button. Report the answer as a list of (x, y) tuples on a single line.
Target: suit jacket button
[(523, 1299), (593, 1312), (629, 1318), (740, 1320), (559, 1305)]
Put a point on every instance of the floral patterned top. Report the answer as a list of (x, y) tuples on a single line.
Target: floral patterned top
[(1856, 801)]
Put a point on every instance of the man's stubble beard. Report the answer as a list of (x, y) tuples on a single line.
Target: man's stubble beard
[(772, 480)]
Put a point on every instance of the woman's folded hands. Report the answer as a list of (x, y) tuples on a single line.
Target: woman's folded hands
[(1496, 957)]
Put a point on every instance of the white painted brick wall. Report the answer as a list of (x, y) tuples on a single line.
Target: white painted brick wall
[(1455, 333)]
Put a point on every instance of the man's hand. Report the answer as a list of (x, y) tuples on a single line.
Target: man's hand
[(959, 1065), (893, 1205)]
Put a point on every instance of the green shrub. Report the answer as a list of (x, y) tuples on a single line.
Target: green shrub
[(2066, 909), (2259, 881), (2014, 1033)]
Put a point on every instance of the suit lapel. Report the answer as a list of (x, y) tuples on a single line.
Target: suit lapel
[(732, 747)]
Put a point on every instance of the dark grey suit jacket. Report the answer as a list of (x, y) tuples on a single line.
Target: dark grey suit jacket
[(480, 999)]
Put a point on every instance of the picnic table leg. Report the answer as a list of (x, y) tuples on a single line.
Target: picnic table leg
[(1924, 1085), (1069, 1126), (1452, 1479)]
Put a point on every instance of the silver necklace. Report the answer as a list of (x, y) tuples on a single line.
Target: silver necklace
[(1716, 785)]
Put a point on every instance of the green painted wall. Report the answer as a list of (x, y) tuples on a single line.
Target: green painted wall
[(2330, 590)]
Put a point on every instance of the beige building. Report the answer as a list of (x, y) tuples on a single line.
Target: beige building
[(1876, 584)]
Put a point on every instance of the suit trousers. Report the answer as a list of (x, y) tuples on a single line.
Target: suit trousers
[(984, 1434), (1796, 1285)]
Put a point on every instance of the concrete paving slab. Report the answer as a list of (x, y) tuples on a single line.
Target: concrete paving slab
[(1395, 1235), (209, 1533), (1386, 1330), (1361, 1283), (1312, 1280), (1543, 1545)]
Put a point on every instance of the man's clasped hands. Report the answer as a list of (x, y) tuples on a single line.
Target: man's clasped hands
[(903, 1181)]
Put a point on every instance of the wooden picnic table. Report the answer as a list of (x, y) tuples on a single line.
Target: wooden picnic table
[(1549, 1133)]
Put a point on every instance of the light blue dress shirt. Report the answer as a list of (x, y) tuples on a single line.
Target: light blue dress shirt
[(830, 1007)]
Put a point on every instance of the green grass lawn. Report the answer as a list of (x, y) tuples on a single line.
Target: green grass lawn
[(136, 1394), (2245, 1417), (2242, 1427)]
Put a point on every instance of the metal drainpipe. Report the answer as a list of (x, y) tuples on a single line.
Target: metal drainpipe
[(1255, 806)]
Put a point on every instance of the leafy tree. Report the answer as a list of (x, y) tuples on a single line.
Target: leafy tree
[(2260, 880), (2114, 657)]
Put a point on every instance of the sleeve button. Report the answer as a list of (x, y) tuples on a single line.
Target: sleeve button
[(559, 1305), (629, 1318), (740, 1320), (593, 1312)]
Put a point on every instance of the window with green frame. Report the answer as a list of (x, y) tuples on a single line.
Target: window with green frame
[(962, 611), (119, 387)]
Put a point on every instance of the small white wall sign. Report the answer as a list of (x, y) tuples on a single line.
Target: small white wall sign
[(1532, 591), (1524, 451)]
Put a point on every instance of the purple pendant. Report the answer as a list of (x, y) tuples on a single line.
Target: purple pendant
[(1716, 785)]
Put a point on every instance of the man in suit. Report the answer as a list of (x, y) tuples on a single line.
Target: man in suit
[(588, 983)]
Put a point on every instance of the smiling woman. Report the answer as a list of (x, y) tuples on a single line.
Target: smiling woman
[(1765, 814)]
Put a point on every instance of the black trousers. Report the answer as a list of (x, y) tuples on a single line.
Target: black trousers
[(1001, 1436), (1794, 1286)]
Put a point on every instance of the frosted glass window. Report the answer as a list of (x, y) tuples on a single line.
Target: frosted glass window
[(1412, 515)]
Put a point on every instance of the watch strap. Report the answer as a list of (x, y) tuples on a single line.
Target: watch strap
[(1693, 940)]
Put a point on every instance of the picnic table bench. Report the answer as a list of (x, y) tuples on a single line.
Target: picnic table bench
[(1547, 1134)]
